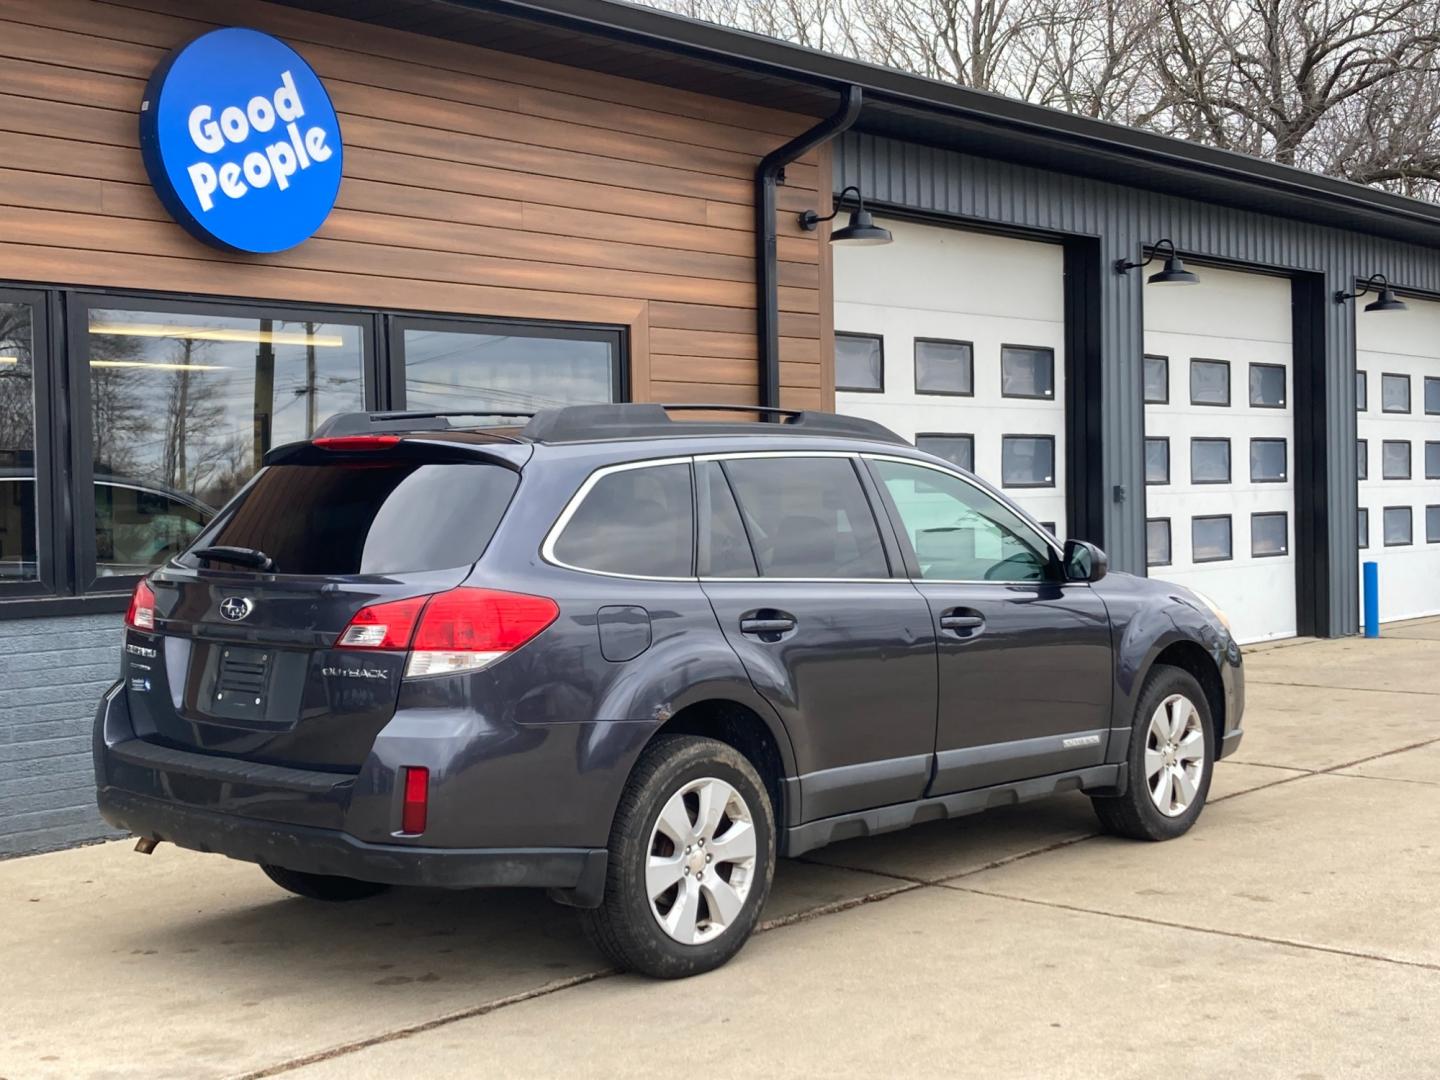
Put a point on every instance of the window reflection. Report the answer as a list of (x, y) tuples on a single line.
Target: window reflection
[(184, 406), (18, 535), (451, 370)]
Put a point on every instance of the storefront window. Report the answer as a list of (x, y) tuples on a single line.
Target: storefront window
[(183, 407), (18, 532), (450, 367)]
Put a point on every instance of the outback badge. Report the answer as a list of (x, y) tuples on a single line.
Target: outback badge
[(236, 608)]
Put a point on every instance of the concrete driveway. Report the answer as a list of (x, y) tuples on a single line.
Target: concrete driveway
[(1295, 932)]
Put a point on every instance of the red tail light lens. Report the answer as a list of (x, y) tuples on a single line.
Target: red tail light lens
[(466, 629), (383, 626), (141, 615), (356, 442), (416, 804)]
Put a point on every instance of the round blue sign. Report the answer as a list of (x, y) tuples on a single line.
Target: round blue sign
[(241, 141)]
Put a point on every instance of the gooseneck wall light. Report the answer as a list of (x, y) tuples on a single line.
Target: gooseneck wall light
[(861, 228), (1174, 272), (1385, 298)]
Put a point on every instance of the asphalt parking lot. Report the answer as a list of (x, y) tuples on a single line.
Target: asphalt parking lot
[(1294, 932)]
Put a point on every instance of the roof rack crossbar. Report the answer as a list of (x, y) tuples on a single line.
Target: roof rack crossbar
[(580, 423), (359, 423)]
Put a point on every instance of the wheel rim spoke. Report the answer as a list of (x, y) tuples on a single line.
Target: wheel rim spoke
[(714, 796), (675, 822), (679, 922), (1163, 789), (735, 844), (661, 873), (722, 900), (1186, 784), (1154, 762)]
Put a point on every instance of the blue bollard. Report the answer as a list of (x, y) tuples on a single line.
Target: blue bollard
[(1372, 598)]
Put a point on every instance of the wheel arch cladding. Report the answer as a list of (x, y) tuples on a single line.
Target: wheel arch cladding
[(743, 728), (1191, 657)]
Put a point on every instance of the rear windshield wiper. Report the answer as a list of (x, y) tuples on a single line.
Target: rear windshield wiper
[(239, 556)]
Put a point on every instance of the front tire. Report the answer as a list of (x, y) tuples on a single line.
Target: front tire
[(1169, 763), (692, 856), (322, 886)]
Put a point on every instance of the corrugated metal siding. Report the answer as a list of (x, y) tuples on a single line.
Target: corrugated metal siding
[(52, 673), (948, 182)]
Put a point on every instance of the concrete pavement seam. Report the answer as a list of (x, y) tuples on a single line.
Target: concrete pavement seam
[(1260, 938), (1351, 689)]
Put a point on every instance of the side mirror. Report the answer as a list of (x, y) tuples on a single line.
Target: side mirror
[(1084, 562)]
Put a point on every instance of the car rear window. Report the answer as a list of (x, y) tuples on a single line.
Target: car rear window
[(366, 518), (636, 521)]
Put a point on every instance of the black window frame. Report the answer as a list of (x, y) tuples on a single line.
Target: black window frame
[(1284, 477), (1023, 435), (1362, 459), (1229, 460), (1409, 458), (1229, 519), (52, 490), (1362, 528), (1409, 396), (915, 367), (1157, 439), (947, 435), (1362, 391), (1425, 383), (880, 338), (1409, 517), (1049, 351), (1285, 381), (1283, 516), (1144, 400), (1432, 538), (1169, 541), (1229, 383)]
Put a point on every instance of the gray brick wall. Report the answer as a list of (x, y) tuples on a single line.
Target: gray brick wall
[(52, 673)]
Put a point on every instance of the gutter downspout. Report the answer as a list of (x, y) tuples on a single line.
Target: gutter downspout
[(767, 176)]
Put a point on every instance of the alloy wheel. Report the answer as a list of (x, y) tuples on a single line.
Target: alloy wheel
[(701, 861), (1174, 755)]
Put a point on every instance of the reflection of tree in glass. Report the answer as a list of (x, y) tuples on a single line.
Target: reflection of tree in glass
[(17, 408), (119, 418)]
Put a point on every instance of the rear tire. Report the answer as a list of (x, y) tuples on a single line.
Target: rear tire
[(1169, 763), (322, 886), (692, 855)]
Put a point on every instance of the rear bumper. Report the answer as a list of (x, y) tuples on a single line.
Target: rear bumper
[(581, 871)]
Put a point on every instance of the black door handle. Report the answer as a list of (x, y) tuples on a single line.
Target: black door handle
[(776, 625), (961, 621)]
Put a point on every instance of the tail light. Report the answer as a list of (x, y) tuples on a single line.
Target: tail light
[(460, 630), (141, 615), (415, 806)]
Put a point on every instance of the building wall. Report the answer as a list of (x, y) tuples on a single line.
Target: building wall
[(476, 182), (53, 672), (981, 191)]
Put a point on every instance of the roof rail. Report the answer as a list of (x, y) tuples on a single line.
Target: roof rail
[(583, 423), (360, 423)]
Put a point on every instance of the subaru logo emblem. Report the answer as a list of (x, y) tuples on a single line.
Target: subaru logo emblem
[(235, 608)]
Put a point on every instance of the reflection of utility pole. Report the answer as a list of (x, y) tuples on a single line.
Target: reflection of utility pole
[(264, 389), (182, 413), (309, 378)]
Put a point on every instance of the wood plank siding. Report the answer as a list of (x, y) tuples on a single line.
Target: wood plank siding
[(476, 182)]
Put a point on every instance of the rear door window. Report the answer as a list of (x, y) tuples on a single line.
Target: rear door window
[(724, 550), (637, 521), (381, 517), (807, 517)]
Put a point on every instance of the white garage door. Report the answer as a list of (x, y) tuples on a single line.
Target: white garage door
[(1397, 388), (955, 339), (1219, 445)]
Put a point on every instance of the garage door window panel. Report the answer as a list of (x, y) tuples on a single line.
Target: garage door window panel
[(1210, 461), (957, 449), (1432, 461), (1432, 395), (1397, 526), (1363, 528), (860, 363), (807, 518), (1157, 461), (1267, 386), (1210, 382), (944, 368), (1361, 403), (1269, 535), (632, 522), (1362, 458), (1395, 459), (959, 532), (1027, 461), (1157, 542), (1394, 393), (1027, 372), (1211, 539), (1268, 461), (1432, 524), (1157, 380)]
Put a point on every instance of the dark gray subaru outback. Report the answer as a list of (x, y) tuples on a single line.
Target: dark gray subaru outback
[(633, 660)]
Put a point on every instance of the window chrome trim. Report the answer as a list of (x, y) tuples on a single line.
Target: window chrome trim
[(547, 547)]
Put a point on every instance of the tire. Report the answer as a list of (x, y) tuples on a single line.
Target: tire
[(1138, 813), (322, 886), (710, 903)]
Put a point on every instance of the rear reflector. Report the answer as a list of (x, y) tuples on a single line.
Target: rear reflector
[(416, 803), (383, 626), (468, 629), (141, 615), (356, 442)]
